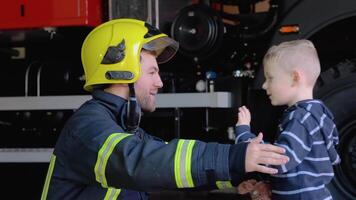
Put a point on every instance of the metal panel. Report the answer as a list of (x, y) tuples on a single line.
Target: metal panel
[(42, 102), (44, 13), (17, 155), (174, 100), (195, 100)]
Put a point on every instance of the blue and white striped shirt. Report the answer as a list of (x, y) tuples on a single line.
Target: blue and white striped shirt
[(309, 135)]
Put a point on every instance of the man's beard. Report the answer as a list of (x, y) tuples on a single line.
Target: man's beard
[(146, 103)]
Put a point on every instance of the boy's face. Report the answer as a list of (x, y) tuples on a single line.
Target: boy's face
[(149, 82), (278, 85)]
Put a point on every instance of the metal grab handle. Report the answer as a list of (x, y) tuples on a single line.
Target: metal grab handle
[(27, 76), (39, 80)]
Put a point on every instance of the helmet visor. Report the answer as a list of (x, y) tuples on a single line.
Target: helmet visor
[(164, 47)]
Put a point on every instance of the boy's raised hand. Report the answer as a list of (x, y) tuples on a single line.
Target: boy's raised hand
[(244, 116)]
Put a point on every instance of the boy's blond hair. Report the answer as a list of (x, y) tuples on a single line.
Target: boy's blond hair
[(295, 54)]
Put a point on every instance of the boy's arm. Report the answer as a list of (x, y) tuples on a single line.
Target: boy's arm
[(297, 141), (243, 133), (242, 130)]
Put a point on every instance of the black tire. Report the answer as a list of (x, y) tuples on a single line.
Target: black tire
[(337, 88)]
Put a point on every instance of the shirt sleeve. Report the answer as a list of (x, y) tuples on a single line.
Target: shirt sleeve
[(297, 142), (243, 134)]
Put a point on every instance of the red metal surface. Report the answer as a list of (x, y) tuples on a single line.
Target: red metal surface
[(22, 14)]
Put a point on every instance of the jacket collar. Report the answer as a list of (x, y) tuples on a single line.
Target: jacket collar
[(113, 102)]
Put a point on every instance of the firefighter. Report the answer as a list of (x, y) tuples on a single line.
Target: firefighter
[(102, 153)]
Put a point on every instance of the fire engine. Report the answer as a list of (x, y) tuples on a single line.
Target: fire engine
[(218, 68)]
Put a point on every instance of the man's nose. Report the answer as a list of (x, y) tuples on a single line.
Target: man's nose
[(159, 83)]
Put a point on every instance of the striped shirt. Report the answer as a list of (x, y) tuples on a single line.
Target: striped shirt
[(309, 135)]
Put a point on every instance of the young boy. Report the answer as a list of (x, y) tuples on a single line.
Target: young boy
[(306, 131)]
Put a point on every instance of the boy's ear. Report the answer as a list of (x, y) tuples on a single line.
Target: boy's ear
[(296, 76)]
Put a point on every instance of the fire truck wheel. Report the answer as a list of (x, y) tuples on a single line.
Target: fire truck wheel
[(337, 88)]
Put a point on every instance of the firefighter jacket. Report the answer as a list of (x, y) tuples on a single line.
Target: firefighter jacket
[(94, 158)]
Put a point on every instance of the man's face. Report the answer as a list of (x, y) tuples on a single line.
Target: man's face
[(149, 82)]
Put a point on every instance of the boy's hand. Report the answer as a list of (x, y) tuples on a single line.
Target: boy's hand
[(258, 190), (246, 186), (244, 116), (261, 191)]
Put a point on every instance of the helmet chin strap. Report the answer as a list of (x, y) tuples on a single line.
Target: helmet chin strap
[(133, 112)]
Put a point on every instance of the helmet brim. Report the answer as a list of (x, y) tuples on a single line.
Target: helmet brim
[(165, 48)]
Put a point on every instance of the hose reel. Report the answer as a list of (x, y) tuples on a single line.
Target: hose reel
[(199, 31)]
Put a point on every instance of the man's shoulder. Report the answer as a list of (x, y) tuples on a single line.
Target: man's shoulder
[(90, 114), (91, 107)]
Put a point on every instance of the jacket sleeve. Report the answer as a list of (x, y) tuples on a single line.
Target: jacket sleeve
[(142, 162), (243, 134), (297, 142)]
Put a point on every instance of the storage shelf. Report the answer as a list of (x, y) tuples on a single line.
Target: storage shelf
[(25, 155), (38, 155), (171, 100)]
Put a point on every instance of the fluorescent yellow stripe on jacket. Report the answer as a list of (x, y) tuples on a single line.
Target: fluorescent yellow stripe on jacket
[(104, 154), (183, 163), (224, 184), (112, 193), (48, 177)]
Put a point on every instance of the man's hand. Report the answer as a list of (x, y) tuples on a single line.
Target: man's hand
[(244, 116), (257, 139), (259, 155)]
